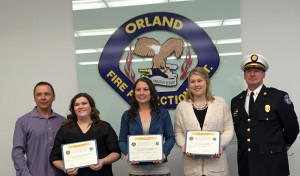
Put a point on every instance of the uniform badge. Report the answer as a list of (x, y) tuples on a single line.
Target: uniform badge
[(267, 108), (287, 99)]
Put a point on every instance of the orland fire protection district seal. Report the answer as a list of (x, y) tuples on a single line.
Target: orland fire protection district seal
[(161, 46)]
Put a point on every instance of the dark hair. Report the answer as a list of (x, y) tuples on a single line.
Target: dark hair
[(43, 83), (72, 118), (154, 100)]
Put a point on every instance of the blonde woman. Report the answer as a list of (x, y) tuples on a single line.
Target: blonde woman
[(203, 111)]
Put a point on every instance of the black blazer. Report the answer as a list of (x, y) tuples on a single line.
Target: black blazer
[(263, 135)]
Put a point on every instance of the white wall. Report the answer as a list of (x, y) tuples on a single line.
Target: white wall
[(271, 28), (36, 43)]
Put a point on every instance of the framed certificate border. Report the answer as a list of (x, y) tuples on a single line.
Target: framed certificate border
[(67, 148), (134, 140), (211, 149)]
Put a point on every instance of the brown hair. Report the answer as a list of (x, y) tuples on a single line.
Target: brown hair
[(154, 100), (72, 117)]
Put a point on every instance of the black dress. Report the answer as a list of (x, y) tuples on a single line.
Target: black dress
[(107, 142)]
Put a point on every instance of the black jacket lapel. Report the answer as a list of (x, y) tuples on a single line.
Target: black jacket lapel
[(260, 99)]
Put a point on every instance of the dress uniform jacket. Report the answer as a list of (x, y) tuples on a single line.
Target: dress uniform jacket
[(263, 135)]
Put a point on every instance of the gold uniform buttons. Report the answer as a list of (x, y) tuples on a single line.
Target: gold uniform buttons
[(248, 139), (249, 120), (248, 129), (249, 149), (267, 118), (271, 151)]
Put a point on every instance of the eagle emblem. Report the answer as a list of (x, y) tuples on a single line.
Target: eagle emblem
[(161, 72), (133, 51), (150, 47)]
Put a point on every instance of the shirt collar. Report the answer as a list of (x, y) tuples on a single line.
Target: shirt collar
[(256, 91), (36, 114)]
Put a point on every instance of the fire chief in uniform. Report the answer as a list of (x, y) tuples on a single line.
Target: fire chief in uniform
[(265, 123)]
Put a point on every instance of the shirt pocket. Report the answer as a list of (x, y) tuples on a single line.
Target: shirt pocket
[(270, 150), (270, 116)]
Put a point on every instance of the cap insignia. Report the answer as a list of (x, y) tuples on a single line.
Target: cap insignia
[(254, 58)]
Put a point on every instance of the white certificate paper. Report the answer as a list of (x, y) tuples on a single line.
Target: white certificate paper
[(80, 154), (145, 148), (202, 142)]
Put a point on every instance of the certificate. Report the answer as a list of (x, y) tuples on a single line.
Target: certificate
[(79, 154), (145, 148), (202, 142)]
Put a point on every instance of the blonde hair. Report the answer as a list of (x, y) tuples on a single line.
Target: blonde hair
[(203, 73)]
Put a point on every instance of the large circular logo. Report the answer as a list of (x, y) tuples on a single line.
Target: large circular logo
[(139, 37)]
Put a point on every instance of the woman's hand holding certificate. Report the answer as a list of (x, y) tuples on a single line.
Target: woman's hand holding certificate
[(79, 154), (144, 148), (202, 143)]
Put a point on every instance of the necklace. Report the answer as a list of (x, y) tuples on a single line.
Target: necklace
[(199, 107)]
